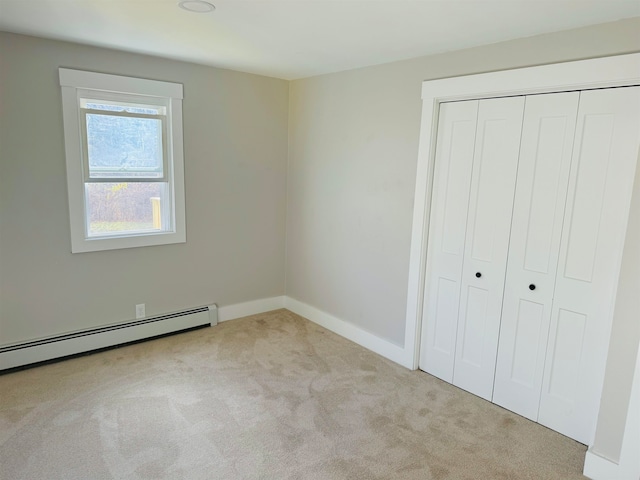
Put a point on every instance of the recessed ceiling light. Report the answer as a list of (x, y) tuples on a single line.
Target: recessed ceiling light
[(197, 6)]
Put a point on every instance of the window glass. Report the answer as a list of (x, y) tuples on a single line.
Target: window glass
[(124, 146), (119, 208)]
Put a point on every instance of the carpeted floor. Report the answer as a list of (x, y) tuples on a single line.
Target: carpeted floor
[(271, 396)]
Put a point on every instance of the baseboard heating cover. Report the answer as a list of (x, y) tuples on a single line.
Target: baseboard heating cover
[(81, 341)]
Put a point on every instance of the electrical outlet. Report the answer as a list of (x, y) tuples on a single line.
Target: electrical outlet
[(140, 310)]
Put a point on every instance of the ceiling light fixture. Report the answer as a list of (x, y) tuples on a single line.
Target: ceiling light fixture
[(196, 6)]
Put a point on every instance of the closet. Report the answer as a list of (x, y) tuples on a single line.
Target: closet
[(529, 209)]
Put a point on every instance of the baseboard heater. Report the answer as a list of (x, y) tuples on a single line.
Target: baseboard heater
[(82, 341)]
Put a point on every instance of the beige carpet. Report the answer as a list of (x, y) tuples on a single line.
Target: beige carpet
[(271, 396)]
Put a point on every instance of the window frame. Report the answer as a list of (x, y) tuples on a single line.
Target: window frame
[(84, 95), (76, 85)]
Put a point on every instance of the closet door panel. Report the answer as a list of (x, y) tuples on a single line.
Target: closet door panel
[(603, 167), (450, 202), (541, 190), (491, 201)]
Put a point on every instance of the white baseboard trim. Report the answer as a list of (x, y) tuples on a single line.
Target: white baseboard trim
[(239, 310), (599, 468), (343, 328), (351, 332)]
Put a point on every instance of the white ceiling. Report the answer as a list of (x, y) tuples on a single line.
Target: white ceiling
[(300, 38)]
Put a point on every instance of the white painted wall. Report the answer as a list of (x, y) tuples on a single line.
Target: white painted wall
[(235, 146)]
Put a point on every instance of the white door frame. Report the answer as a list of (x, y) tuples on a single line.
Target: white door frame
[(616, 71)]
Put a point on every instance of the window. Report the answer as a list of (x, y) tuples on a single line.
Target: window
[(125, 173)]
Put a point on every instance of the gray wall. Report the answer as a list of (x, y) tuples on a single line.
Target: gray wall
[(353, 145), (624, 344), (353, 141), (235, 133)]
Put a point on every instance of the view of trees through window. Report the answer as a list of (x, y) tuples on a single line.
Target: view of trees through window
[(122, 148), (123, 207)]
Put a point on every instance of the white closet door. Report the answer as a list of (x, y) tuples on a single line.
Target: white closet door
[(541, 191), (450, 202), (491, 202), (604, 161)]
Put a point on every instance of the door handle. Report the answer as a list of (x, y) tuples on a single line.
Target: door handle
[(478, 274), (532, 287)]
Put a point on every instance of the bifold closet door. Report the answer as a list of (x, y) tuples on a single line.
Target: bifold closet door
[(605, 157), (538, 212), (447, 225), (493, 180)]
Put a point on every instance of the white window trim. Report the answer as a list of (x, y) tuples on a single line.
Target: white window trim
[(71, 83)]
